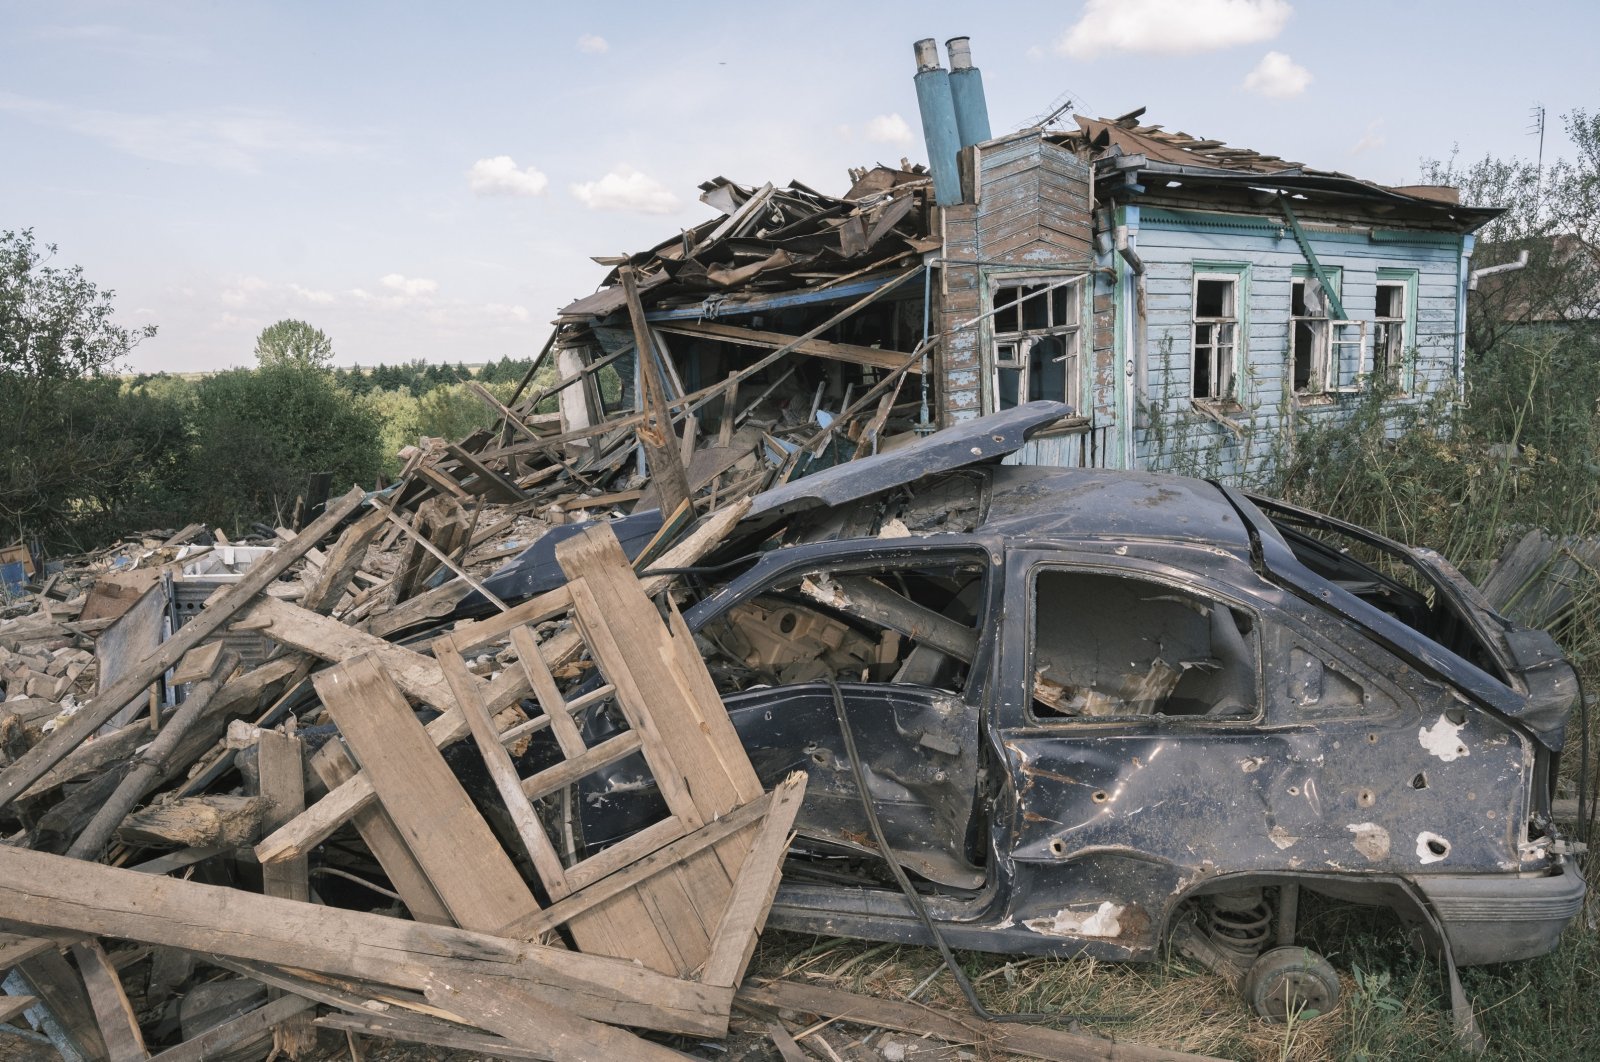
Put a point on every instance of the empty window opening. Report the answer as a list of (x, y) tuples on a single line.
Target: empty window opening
[(916, 625), (1308, 326), (1389, 335), (1036, 341), (1215, 336), (1108, 647)]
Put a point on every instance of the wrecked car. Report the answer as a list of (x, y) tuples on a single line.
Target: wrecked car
[(1100, 709)]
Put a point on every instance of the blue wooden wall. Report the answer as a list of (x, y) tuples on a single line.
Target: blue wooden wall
[(1170, 435)]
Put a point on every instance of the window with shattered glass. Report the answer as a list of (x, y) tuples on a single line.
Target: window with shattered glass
[(1108, 646)]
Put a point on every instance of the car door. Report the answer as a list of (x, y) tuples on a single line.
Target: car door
[(902, 635), (1129, 710)]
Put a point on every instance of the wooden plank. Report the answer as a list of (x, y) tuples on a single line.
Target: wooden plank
[(333, 578), (498, 484), (55, 892), (532, 1024), (640, 869), (18, 948), (217, 1039), (549, 696), (590, 760), (61, 992), (443, 558), (449, 839), (119, 1025), (158, 760), (871, 357), (535, 842), (384, 842), (31, 766), (282, 782), (11, 1007), (746, 911), (281, 767), (197, 664), (656, 433), (416, 1029), (1030, 1040)]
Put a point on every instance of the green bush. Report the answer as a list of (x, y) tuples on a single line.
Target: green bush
[(259, 435)]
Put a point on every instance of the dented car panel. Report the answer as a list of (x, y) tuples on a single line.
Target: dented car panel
[(1084, 699)]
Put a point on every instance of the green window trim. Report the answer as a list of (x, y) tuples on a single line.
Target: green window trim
[(1239, 272)]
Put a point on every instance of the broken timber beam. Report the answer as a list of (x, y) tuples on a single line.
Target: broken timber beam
[(56, 892), (656, 433), (33, 764), (1032, 1041), (871, 357), (451, 842), (152, 764)]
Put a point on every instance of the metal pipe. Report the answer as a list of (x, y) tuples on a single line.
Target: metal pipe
[(1504, 267), (1128, 251), (937, 108), (966, 91)]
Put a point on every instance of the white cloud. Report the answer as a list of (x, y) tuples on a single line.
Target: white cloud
[(509, 313), (888, 129), (319, 298), (1277, 76), (223, 138), (1371, 140), (500, 176), (1171, 27), (243, 291), (590, 44), (410, 287), (626, 190)]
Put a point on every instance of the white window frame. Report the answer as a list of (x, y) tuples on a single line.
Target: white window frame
[(1319, 371), (1222, 374), (1012, 350), (1390, 333)]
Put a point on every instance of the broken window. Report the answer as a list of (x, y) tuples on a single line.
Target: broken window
[(1309, 335), (1389, 337), (1036, 325), (1110, 647), (1215, 337)]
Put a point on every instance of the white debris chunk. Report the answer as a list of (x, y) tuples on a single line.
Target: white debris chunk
[(1443, 739), (1104, 921), (1371, 840)]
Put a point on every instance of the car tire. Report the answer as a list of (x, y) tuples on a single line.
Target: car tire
[(1287, 981)]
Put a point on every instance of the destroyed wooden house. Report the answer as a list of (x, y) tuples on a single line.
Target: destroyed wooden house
[(1195, 303)]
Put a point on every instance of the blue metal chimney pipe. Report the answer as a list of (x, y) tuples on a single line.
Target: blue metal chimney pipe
[(939, 129), (966, 90)]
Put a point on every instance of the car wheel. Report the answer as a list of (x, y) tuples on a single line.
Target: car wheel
[(1287, 981)]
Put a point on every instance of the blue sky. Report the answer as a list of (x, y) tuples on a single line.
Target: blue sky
[(429, 180)]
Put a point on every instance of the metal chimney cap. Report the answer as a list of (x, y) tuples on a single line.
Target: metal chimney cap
[(927, 51), (960, 49)]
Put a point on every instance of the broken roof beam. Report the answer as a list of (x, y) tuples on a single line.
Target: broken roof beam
[(870, 357), (694, 400)]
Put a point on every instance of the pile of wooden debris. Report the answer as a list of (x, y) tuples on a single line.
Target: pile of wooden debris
[(239, 813), (259, 870)]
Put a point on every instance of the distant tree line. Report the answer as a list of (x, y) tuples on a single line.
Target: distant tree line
[(88, 455), (419, 377)]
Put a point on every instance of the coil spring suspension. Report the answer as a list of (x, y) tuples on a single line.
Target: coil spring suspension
[(1239, 922)]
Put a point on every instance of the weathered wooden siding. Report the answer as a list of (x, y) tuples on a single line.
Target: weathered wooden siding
[(1172, 435), (1032, 213)]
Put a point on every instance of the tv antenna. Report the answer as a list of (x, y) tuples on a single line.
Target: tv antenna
[(1537, 129)]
